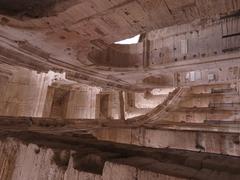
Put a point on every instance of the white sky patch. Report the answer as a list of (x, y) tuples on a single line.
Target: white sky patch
[(133, 40)]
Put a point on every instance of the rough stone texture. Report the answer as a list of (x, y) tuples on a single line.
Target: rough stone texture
[(68, 101), (74, 174), (24, 93), (143, 175), (31, 162), (48, 160), (214, 142), (188, 46), (82, 103), (119, 172), (77, 36), (108, 104)]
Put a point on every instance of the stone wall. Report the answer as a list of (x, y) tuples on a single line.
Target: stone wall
[(26, 161), (82, 103), (213, 142), (202, 38), (30, 162), (24, 92), (112, 104)]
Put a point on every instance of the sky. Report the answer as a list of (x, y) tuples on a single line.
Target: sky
[(132, 40)]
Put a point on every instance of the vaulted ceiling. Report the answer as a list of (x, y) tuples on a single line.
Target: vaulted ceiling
[(59, 35)]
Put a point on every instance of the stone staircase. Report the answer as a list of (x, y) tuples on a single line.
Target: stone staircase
[(161, 110), (201, 118), (196, 105)]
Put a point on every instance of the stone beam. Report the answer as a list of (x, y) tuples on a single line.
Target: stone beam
[(107, 161)]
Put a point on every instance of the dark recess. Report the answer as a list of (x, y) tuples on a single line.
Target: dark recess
[(27, 8)]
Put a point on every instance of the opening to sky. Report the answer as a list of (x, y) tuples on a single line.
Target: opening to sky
[(132, 40)]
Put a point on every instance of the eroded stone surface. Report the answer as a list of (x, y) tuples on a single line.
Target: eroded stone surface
[(177, 87)]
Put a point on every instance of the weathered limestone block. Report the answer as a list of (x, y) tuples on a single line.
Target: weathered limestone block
[(138, 136), (173, 139), (148, 175), (24, 93), (120, 135), (73, 159), (19, 161), (82, 102), (145, 169), (114, 171), (221, 143), (172, 170), (205, 174), (73, 174), (34, 163), (8, 152), (213, 142)]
